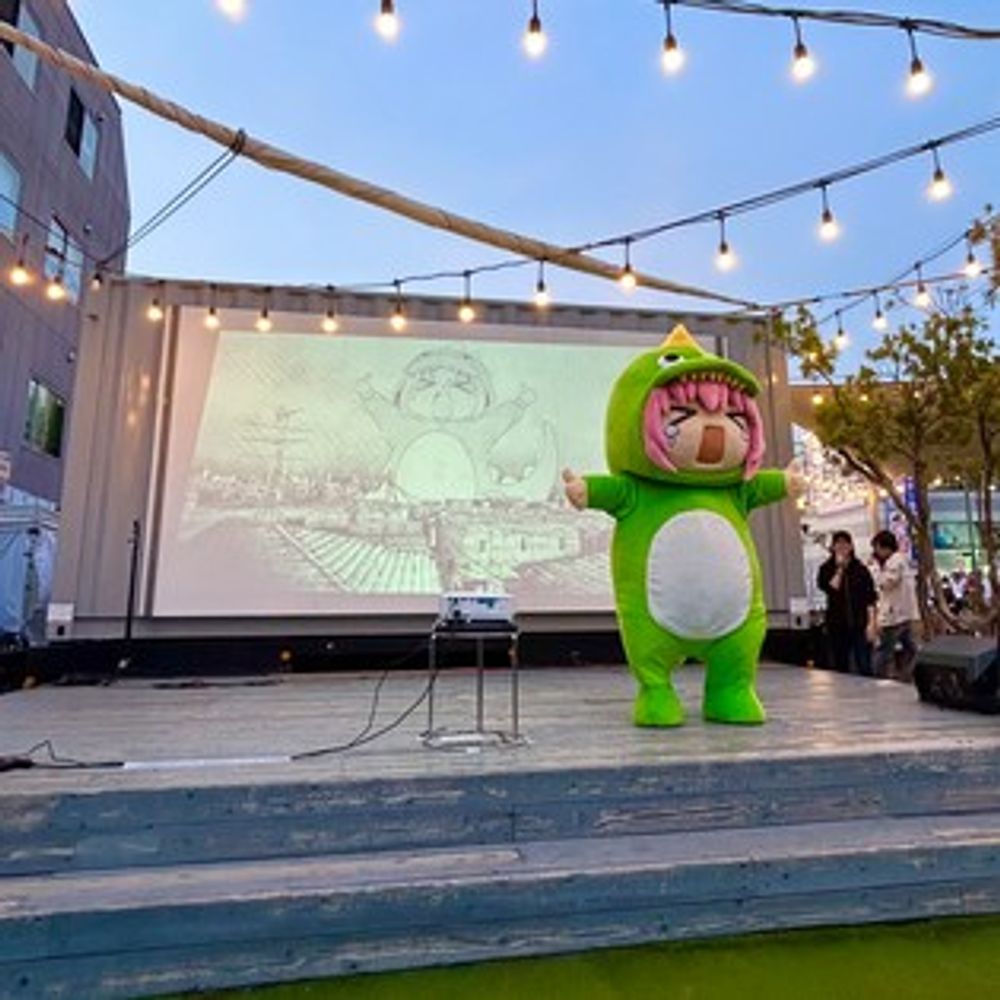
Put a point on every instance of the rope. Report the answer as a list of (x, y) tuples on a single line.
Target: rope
[(282, 161)]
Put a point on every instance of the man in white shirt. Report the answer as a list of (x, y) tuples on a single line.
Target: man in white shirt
[(897, 608)]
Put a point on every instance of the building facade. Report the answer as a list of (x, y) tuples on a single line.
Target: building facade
[(63, 211)]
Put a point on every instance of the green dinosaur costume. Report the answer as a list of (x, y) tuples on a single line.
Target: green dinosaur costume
[(686, 576)]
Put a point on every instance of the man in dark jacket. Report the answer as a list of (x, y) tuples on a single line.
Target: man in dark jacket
[(851, 602)]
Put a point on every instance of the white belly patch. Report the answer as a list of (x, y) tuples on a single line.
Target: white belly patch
[(698, 578)]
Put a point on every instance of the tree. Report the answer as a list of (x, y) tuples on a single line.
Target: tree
[(924, 403)]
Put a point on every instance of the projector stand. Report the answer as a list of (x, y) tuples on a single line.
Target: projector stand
[(442, 738)]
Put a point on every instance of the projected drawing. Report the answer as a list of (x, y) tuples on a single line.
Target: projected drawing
[(324, 474)]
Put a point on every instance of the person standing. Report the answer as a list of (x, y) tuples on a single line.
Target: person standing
[(897, 608), (851, 602)]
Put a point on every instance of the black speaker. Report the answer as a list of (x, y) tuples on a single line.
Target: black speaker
[(959, 671)]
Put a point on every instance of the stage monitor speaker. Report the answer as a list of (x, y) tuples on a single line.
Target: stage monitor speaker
[(959, 671)]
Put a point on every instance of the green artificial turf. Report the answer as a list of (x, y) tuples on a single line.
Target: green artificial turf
[(956, 959)]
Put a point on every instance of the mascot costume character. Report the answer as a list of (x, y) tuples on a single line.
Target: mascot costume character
[(684, 444)]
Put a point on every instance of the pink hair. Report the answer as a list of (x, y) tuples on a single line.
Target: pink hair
[(714, 397)]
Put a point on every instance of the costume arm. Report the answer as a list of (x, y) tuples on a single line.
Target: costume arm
[(766, 487), (614, 494)]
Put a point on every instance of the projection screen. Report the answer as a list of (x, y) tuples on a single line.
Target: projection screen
[(369, 471)]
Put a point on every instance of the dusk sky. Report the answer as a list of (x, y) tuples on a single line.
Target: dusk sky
[(591, 140)]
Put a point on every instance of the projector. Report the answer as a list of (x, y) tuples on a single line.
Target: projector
[(475, 610)]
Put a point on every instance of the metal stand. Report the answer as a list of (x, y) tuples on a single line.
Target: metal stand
[(443, 738)]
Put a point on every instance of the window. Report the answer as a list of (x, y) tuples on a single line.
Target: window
[(81, 133), (43, 428), (10, 193), (64, 259), (26, 63)]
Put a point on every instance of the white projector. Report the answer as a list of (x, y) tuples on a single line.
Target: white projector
[(468, 609)]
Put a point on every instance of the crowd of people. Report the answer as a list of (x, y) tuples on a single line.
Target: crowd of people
[(870, 609)]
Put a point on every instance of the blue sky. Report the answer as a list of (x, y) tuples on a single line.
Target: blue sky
[(590, 141)]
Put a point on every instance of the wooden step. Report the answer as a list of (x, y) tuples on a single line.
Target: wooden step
[(146, 931)]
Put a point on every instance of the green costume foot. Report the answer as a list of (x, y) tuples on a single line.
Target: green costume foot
[(658, 706), (735, 704)]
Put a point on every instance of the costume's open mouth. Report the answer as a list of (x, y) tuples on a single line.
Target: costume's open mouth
[(713, 445)]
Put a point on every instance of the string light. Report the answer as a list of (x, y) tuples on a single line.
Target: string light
[(673, 56), (725, 259), (879, 322), (19, 274), (626, 277), (398, 319), (55, 290), (829, 228), (840, 341), (922, 298), (803, 64), (542, 297), (330, 323), (940, 187), (817, 399), (387, 21), (466, 311), (973, 267), (535, 40), (264, 323), (97, 281), (212, 321), (920, 82), (155, 311)]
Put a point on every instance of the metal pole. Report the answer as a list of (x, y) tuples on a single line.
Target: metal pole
[(515, 695), (971, 523), (480, 682)]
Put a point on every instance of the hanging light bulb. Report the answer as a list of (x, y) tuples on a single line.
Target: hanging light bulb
[(803, 64), (155, 311), (96, 281), (920, 82), (817, 399), (725, 259), (264, 323), (387, 21), (535, 40), (212, 321), (922, 298), (466, 311), (55, 290), (19, 274), (973, 266), (673, 56), (940, 187), (235, 10), (398, 319), (626, 277), (879, 322), (829, 227), (542, 298), (330, 322), (840, 341)]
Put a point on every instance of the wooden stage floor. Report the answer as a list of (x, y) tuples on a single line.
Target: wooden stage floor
[(198, 867), (573, 718)]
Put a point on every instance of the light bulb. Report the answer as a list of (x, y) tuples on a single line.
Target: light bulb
[(155, 311), (466, 312), (920, 82), (235, 10), (212, 321), (398, 320), (627, 279), (535, 40), (725, 259), (387, 21), (263, 322), (829, 227), (673, 57), (817, 399), (97, 282), (542, 297), (19, 274), (841, 341), (940, 187), (973, 268), (880, 322), (330, 322), (803, 64), (922, 299)]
